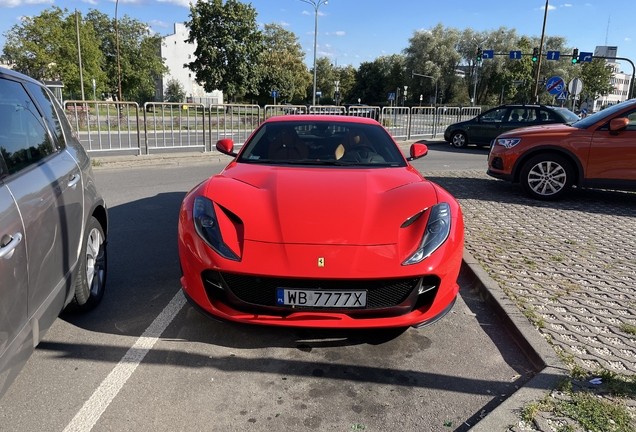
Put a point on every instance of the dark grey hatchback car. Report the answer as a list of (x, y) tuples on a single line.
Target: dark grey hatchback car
[(53, 221), (484, 128)]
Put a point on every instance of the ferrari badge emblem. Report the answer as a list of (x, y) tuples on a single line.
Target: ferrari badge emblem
[(321, 262)]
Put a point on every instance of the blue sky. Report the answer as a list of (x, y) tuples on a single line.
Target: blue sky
[(355, 31)]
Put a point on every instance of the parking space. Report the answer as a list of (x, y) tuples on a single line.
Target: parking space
[(200, 372)]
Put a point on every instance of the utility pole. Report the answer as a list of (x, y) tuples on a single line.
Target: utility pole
[(536, 85), (79, 53)]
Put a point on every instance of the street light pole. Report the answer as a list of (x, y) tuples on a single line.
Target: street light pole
[(316, 4), (477, 63), (117, 39)]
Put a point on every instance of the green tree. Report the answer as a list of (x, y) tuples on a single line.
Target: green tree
[(174, 91), (375, 80), (325, 80), (283, 66), (597, 78), (45, 48), (140, 63), (229, 46), (433, 52), (346, 76)]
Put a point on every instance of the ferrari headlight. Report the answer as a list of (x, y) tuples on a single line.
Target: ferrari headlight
[(508, 142), (435, 234), (207, 226)]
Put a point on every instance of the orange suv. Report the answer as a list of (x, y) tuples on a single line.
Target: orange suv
[(598, 151)]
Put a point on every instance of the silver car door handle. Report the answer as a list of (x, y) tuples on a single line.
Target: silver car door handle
[(73, 181), (7, 251)]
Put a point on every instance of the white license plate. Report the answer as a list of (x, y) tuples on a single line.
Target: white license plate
[(322, 299)]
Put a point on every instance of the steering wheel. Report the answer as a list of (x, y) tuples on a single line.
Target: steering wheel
[(363, 153), (359, 147)]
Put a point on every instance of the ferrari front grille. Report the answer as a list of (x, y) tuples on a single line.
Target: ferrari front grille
[(381, 293)]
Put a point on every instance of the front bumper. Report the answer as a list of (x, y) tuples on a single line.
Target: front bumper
[(229, 291), (500, 176)]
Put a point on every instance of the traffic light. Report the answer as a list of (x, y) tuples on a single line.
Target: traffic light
[(535, 54), (575, 56), (479, 52)]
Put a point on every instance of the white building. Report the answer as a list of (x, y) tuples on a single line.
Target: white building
[(620, 80), (177, 52)]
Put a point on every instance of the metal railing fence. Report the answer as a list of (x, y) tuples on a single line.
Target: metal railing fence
[(169, 125), (105, 126), (233, 121)]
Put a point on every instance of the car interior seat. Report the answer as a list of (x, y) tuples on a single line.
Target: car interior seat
[(351, 139), (288, 146)]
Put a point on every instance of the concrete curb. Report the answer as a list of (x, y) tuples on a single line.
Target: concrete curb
[(550, 368)]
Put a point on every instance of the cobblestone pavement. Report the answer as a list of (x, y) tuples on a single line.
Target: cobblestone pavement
[(569, 265)]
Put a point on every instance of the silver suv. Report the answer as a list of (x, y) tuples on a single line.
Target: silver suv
[(53, 221)]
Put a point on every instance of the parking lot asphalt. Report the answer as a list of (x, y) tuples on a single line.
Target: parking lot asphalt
[(560, 275)]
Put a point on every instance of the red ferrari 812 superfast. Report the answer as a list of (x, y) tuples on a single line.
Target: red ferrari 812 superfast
[(320, 221)]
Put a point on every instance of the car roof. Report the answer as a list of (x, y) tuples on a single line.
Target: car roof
[(323, 117), (18, 75)]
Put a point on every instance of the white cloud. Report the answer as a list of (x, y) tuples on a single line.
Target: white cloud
[(157, 23), (285, 24), (306, 13), (184, 3), (628, 39), (16, 3), (90, 2), (550, 7), (336, 33)]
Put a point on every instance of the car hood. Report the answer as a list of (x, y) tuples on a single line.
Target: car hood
[(551, 130), (321, 205)]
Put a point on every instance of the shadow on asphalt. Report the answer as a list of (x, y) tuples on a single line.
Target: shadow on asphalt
[(143, 276)]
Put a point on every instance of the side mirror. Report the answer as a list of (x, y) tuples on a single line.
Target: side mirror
[(226, 146), (618, 124), (418, 150)]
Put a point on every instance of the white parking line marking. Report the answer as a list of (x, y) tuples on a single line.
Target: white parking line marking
[(94, 407)]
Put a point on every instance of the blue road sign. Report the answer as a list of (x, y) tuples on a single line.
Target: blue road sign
[(555, 85), (584, 111), (586, 57), (487, 54), (562, 96), (515, 55), (274, 93), (553, 55), (391, 96)]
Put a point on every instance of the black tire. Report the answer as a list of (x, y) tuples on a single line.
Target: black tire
[(459, 140), (91, 277), (546, 177)]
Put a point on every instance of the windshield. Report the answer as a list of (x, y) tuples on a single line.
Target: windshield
[(600, 116), (570, 117), (322, 142)]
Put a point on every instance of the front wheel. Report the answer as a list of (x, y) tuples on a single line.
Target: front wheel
[(91, 280), (546, 177), (459, 140)]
